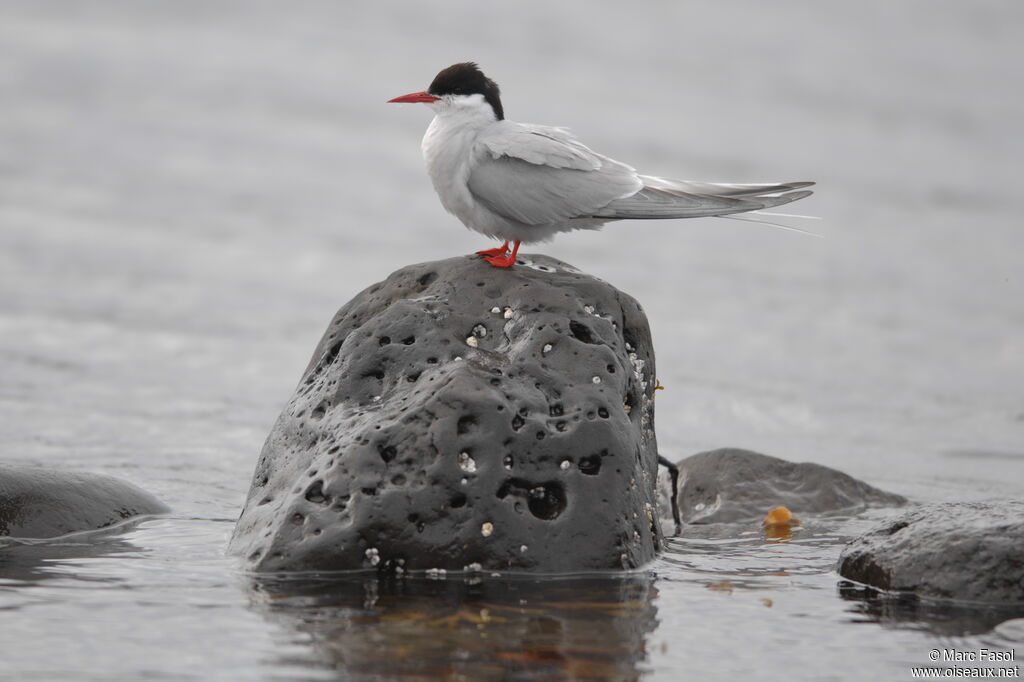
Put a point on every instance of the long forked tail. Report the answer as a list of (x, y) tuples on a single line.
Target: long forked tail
[(663, 198)]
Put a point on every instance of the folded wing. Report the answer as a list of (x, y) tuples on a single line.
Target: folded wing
[(539, 175)]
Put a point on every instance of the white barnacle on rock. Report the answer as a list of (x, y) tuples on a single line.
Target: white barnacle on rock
[(596, 379), (523, 548), (565, 464), (588, 309), (373, 556), (479, 331), (508, 313), (495, 310), (472, 342), (638, 369), (547, 348), (473, 568), (467, 463), (486, 529), (436, 573)]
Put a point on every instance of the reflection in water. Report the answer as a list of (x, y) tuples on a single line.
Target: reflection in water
[(474, 628), (938, 617), (38, 560)]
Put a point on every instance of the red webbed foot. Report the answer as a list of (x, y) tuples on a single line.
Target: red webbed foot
[(500, 260), (499, 251)]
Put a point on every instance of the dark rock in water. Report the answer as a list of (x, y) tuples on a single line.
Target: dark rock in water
[(955, 550), (458, 416), (727, 485), (42, 503)]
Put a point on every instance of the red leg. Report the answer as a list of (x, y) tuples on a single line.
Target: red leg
[(500, 251), (504, 261)]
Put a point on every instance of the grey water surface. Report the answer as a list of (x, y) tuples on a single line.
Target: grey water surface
[(188, 191)]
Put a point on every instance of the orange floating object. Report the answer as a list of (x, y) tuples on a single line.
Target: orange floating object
[(780, 516)]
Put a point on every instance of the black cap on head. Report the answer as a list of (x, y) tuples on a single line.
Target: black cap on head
[(467, 79)]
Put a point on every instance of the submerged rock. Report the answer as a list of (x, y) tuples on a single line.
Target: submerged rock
[(42, 503), (955, 550), (461, 417), (727, 485)]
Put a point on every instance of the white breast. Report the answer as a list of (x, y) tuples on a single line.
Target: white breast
[(447, 147), (451, 151)]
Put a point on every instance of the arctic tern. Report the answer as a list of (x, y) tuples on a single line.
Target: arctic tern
[(521, 182)]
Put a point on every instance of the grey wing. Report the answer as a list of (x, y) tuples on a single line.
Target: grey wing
[(538, 175), (663, 198)]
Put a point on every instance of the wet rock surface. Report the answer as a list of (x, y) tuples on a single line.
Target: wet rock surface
[(955, 550), (462, 417), (41, 503), (730, 484)]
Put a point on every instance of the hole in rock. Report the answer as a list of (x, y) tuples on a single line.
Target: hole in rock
[(315, 493), (387, 453), (545, 500), (517, 422), (384, 340), (332, 353), (591, 464), (466, 424), (458, 500), (582, 332), (409, 340)]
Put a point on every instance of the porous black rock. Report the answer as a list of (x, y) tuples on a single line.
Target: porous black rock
[(459, 416), (952, 550), (730, 484), (45, 503)]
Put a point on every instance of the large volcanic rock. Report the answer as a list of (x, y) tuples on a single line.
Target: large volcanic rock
[(961, 550), (43, 503), (458, 416), (730, 484)]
